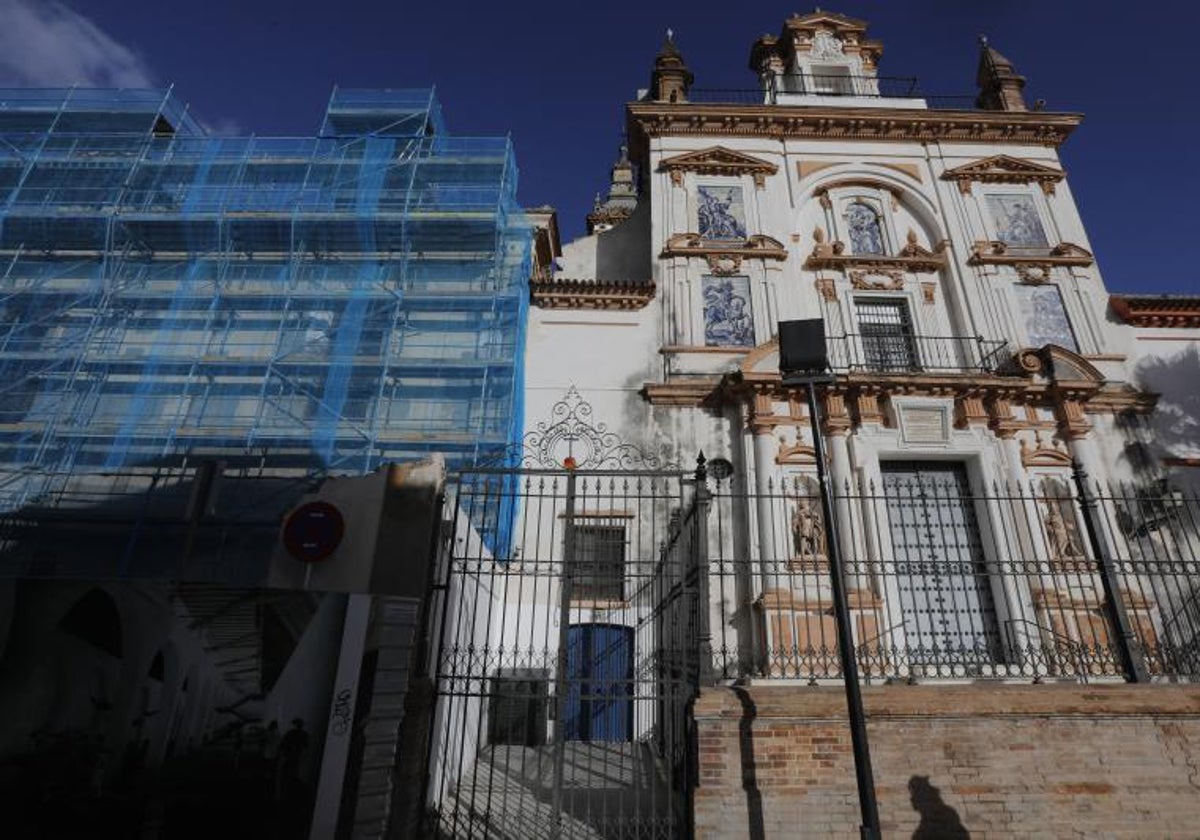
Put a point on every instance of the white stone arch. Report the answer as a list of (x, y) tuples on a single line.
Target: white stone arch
[(936, 301), (908, 194)]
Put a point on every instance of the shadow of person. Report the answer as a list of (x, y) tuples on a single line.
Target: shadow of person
[(938, 820)]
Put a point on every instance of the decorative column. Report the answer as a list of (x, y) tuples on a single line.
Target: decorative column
[(1036, 591), (764, 489), (836, 428), (779, 629)]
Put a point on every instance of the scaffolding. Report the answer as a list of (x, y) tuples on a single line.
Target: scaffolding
[(288, 306)]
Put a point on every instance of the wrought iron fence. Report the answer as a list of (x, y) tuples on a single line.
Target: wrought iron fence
[(1061, 578), (565, 661), (571, 633)]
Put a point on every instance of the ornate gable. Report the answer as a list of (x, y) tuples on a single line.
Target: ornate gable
[(718, 160), (1003, 169)]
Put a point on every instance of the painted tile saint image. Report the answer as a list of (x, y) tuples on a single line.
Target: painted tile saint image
[(722, 214), (1016, 220), (1046, 320), (727, 321)]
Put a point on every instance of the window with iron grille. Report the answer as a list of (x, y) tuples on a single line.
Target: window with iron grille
[(887, 335), (598, 571)]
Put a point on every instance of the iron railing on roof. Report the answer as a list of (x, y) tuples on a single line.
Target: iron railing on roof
[(797, 88)]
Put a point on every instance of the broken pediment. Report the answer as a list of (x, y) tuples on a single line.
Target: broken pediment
[(1062, 366), (1044, 453), (912, 257), (717, 160), (1003, 169), (994, 252), (762, 361), (756, 246), (1067, 366)]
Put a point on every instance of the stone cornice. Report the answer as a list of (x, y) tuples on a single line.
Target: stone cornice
[(589, 294), (1161, 311), (659, 119), (1051, 377), (694, 391), (1117, 398), (1003, 169)]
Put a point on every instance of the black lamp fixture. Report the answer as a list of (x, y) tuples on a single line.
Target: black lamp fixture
[(803, 356)]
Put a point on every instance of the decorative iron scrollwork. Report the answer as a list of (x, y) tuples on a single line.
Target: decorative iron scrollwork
[(572, 432)]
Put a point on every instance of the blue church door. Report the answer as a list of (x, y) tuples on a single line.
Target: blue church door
[(599, 683)]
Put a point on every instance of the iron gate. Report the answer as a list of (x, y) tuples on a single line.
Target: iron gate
[(568, 638)]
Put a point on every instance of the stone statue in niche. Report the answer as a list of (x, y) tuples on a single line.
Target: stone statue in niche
[(808, 529), (862, 224), (1061, 533)]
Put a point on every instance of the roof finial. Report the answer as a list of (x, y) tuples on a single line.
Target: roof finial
[(670, 34), (983, 42)]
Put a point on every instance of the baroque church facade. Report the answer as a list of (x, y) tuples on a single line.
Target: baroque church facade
[(967, 321), (987, 397)]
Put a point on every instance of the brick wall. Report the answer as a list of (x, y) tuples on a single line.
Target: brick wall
[(995, 760)]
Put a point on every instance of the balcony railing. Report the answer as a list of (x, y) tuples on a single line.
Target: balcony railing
[(902, 353), (796, 88)]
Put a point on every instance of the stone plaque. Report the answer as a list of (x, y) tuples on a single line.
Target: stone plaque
[(925, 424)]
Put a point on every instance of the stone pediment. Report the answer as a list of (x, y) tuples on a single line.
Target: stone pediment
[(717, 160), (1003, 169), (819, 18)]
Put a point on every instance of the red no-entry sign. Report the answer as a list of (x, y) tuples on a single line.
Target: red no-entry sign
[(313, 531)]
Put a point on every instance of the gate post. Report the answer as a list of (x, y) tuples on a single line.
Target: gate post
[(707, 673), (560, 671), (1128, 647)]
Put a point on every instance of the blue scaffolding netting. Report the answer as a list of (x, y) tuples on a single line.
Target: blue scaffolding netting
[(318, 305)]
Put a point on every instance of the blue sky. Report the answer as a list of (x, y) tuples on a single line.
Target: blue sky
[(555, 76)]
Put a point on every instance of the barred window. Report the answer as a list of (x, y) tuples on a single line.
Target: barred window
[(598, 571), (887, 335)]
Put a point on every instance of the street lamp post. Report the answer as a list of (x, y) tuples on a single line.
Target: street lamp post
[(803, 360)]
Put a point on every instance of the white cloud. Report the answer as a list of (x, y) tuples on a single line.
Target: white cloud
[(44, 43)]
